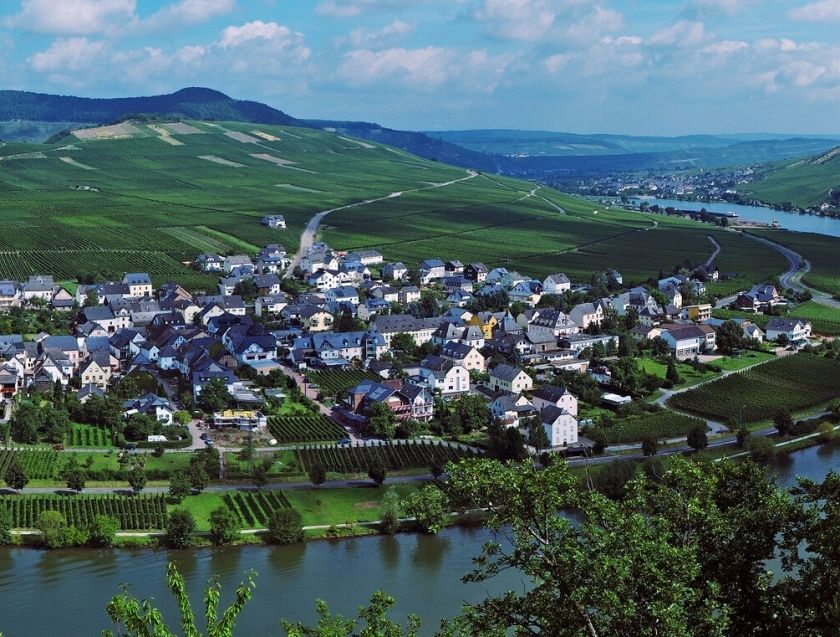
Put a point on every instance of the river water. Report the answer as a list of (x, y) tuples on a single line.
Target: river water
[(788, 220), (64, 593)]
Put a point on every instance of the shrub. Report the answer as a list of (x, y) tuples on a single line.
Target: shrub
[(317, 473), (102, 530), (5, 525), (56, 533), (761, 449), (285, 526), (390, 515), (377, 473), (179, 485), (224, 525), (429, 507), (180, 529), (826, 432)]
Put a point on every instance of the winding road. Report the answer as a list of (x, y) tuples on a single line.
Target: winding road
[(308, 236)]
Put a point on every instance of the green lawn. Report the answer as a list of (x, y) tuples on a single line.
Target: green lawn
[(688, 374), (340, 505), (200, 506), (110, 460)]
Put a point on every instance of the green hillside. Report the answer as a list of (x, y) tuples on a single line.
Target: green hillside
[(151, 197), (803, 183)]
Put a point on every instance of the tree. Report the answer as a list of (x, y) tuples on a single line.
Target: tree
[(600, 440), (743, 437), (102, 530), (198, 478), (25, 423), (224, 525), (436, 468), (259, 472), (317, 474), (137, 479), (783, 422), (761, 449), (649, 446), (671, 374), (5, 525), (139, 619), (729, 337), (659, 347), (403, 343), (472, 413), (55, 532), (374, 618), (381, 421), (390, 511), (214, 396), (180, 529), (377, 472), (613, 478), (75, 479), (537, 437), (15, 476), (826, 432), (179, 486), (429, 507), (285, 526), (697, 438)]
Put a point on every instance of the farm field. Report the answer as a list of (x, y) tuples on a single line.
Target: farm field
[(336, 382), (393, 456), (661, 424), (820, 250), (802, 183), (254, 508), (311, 427), (143, 205), (37, 463), (793, 383), (134, 512)]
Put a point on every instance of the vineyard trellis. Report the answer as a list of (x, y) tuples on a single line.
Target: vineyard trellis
[(393, 456), (88, 436), (336, 382), (144, 512), (254, 508), (37, 463), (305, 428)]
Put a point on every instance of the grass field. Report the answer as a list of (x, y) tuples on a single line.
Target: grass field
[(341, 505), (144, 205), (661, 424), (793, 384), (799, 182), (824, 320)]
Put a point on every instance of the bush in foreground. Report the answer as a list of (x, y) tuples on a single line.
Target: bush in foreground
[(224, 526), (180, 529), (285, 526)]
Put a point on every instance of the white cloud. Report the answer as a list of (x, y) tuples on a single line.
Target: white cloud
[(277, 35), (818, 11), (728, 7), (685, 33), (68, 54), (187, 12), (73, 17), (725, 47), (362, 38), (349, 8), (556, 63)]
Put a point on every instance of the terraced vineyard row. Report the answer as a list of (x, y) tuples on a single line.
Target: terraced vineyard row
[(334, 383), (88, 436), (307, 428), (37, 464), (792, 384), (394, 457), (134, 513), (254, 509)]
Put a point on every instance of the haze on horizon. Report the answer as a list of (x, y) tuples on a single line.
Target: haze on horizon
[(652, 67)]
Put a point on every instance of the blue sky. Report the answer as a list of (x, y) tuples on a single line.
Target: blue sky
[(622, 66)]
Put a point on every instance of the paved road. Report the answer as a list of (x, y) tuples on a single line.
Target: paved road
[(308, 236), (715, 253)]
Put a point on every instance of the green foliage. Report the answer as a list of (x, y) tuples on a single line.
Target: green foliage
[(381, 422), (145, 512), (140, 619), (55, 532), (102, 530), (285, 526), (429, 507), (179, 486), (5, 525), (214, 396), (137, 479), (374, 620), (390, 511), (15, 476), (313, 427), (317, 473), (658, 424), (255, 508), (224, 526), (198, 477), (180, 529), (697, 438), (377, 472), (649, 446), (394, 456)]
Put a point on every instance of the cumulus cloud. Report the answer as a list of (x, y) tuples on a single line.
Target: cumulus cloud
[(187, 12), (818, 11), (685, 33), (350, 8), (73, 17), (68, 54)]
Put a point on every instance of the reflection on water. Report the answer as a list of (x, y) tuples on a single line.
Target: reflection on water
[(423, 573)]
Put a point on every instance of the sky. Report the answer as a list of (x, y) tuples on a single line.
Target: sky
[(652, 67)]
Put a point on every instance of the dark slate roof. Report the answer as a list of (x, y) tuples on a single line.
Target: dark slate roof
[(505, 372)]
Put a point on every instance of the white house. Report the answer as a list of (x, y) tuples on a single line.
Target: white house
[(510, 379), (686, 340), (561, 427), (556, 284), (794, 330), (444, 375), (552, 395)]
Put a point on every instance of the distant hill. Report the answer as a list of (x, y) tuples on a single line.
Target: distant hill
[(804, 183), (188, 103)]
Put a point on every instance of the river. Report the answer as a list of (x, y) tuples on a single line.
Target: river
[(788, 220), (65, 592)]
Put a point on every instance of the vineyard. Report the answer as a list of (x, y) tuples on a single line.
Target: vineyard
[(335, 383), (792, 384), (37, 464), (141, 512), (88, 436), (254, 508), (661, 424), (309, 428), (393, 457)]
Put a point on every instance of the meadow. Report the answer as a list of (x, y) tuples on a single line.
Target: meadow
[(102, 207)]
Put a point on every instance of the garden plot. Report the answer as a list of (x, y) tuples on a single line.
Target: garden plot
[(266, 136), (77, 164), (180, 128), (115, 131), (221, 161), (242, 137)]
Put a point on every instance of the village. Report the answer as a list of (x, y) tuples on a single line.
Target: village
[(382, 350)]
